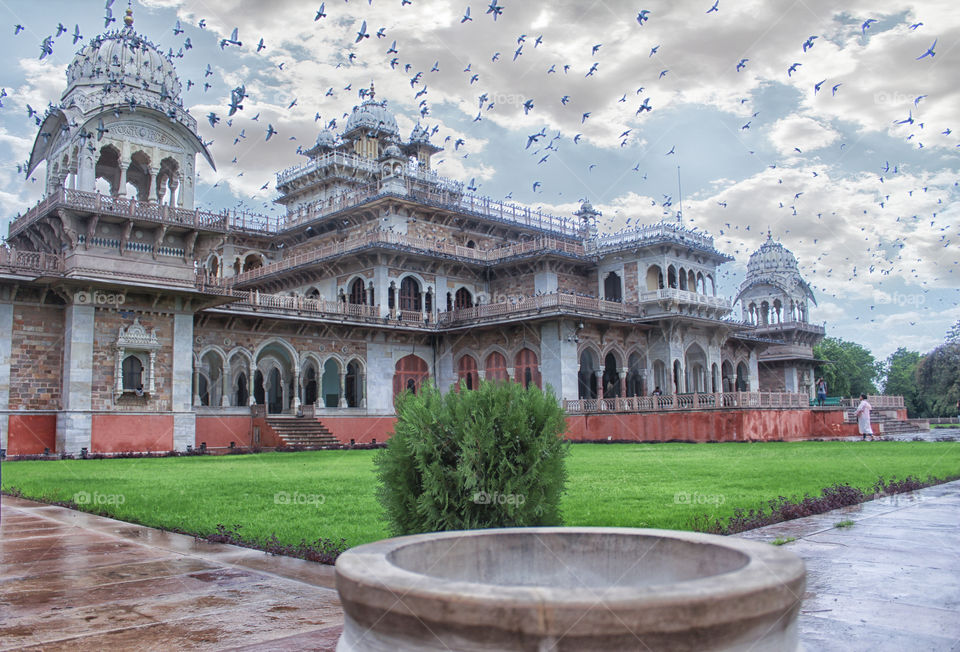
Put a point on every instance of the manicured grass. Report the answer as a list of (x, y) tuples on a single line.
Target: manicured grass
[(662, 485)]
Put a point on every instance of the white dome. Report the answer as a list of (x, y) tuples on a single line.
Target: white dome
[(123, 57), (772, 257), (327, 139), (373, 116), (392, 151)]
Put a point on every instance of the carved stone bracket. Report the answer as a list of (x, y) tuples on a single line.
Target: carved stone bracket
[(158, 240), (125, 237)]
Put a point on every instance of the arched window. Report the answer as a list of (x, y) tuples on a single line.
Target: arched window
[(132, 373), (683, 279), (463, 299), (587, 377), (410, 297), (242, 395), (671, 277), (526, 369), (612, 287), (467, 375), (357, 293), (611, 377), (409, 374), (654, 278), (495, 367)]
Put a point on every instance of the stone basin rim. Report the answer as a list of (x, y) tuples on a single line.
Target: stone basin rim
[(369, 565)]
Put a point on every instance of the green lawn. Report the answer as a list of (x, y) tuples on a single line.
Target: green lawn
[(612, 485)]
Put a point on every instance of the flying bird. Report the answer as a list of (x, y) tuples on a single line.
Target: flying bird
[(271, 132), (76, 34), (177, 30), (466, 16), (233, 40), (320, 12), (261, 46), (929, 52), (494, 9), (792, 69), (809, 43), (866, 25), (643, 16), (742, 64), (362, 34)]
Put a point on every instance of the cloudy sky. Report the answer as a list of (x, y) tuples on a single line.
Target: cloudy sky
[(859, 178)]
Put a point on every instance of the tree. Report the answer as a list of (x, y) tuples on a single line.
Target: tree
[(901, 380), (853, 370), (938, 380), (488, 457), (953, 335)]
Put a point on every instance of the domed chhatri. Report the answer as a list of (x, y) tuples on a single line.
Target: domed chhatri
[(120, 128), (372, 116)]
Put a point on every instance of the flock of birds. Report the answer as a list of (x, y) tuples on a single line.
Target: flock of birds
[(546, 142)]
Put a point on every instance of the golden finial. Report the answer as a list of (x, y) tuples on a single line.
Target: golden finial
[(128, 18), (371, 91)]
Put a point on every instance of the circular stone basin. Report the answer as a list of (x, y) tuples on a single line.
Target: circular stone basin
[(580, 589)]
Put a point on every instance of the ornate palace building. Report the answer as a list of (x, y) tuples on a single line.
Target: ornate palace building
[(129, 320)]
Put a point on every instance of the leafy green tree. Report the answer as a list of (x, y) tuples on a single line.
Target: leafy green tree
[(488, 457), (901, 379), (953, 335), (853, 370), (938, 380)]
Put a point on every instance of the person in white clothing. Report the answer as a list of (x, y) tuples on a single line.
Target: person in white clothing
[(863, 417)]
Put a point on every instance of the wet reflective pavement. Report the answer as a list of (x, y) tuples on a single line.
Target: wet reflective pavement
[(890, 581), (70, 580)]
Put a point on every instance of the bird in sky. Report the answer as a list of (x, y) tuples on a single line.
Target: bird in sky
[(673, 150), (233, 40), (663, 73), (809, 43), (17, 29), (714, 8), (742, 64), (261, 46), (866, 25), (177, 30), (929, 53), (466, 16), (362, 34), (643, 16), (271, 132), (76, 34), (527, 107), (46, 48), (213, 119), (653, 50), (816, 87), (495, 9), (834, 89), (792, 69), (320, 12)]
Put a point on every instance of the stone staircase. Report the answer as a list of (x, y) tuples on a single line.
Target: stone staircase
[(885, 425), (302, 431)]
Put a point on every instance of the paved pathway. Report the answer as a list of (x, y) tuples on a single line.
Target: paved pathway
[(891, 581), (74, 581), (70, 580)]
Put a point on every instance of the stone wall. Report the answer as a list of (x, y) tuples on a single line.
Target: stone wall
[(36, 357), (106, 330)]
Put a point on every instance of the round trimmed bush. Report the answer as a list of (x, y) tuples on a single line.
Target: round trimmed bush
[(488, 457)]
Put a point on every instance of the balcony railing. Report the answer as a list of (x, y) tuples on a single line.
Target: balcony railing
[(326, 160), (679, 402), (93, 202), (30, 261), (685, 296), (876, 401), (433, 247)]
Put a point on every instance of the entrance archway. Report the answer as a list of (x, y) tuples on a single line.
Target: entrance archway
[(274, 392), (611, 377), (587, 376), (409, 375)]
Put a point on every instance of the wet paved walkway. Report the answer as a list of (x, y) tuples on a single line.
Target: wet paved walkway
[(890, 581), (74, 581), (70, 580)]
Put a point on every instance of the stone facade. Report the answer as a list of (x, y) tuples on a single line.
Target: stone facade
[(120, 304)]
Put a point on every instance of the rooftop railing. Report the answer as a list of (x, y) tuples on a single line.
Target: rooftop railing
[(685, 296), (652, 233), (326, 160)]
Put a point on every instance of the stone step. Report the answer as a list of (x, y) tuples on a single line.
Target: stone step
[(302, 431)]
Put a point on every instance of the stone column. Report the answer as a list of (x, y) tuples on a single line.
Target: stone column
[(6, 341), (599, 374), (296, 389), (343, 384), (754, 372), (224, 388), (122, 182), (184, 419), (363, 389), (251, 399), (197, 399), (174, 199), (74, 422), (151, 185), (623, 382), (558, 360)]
